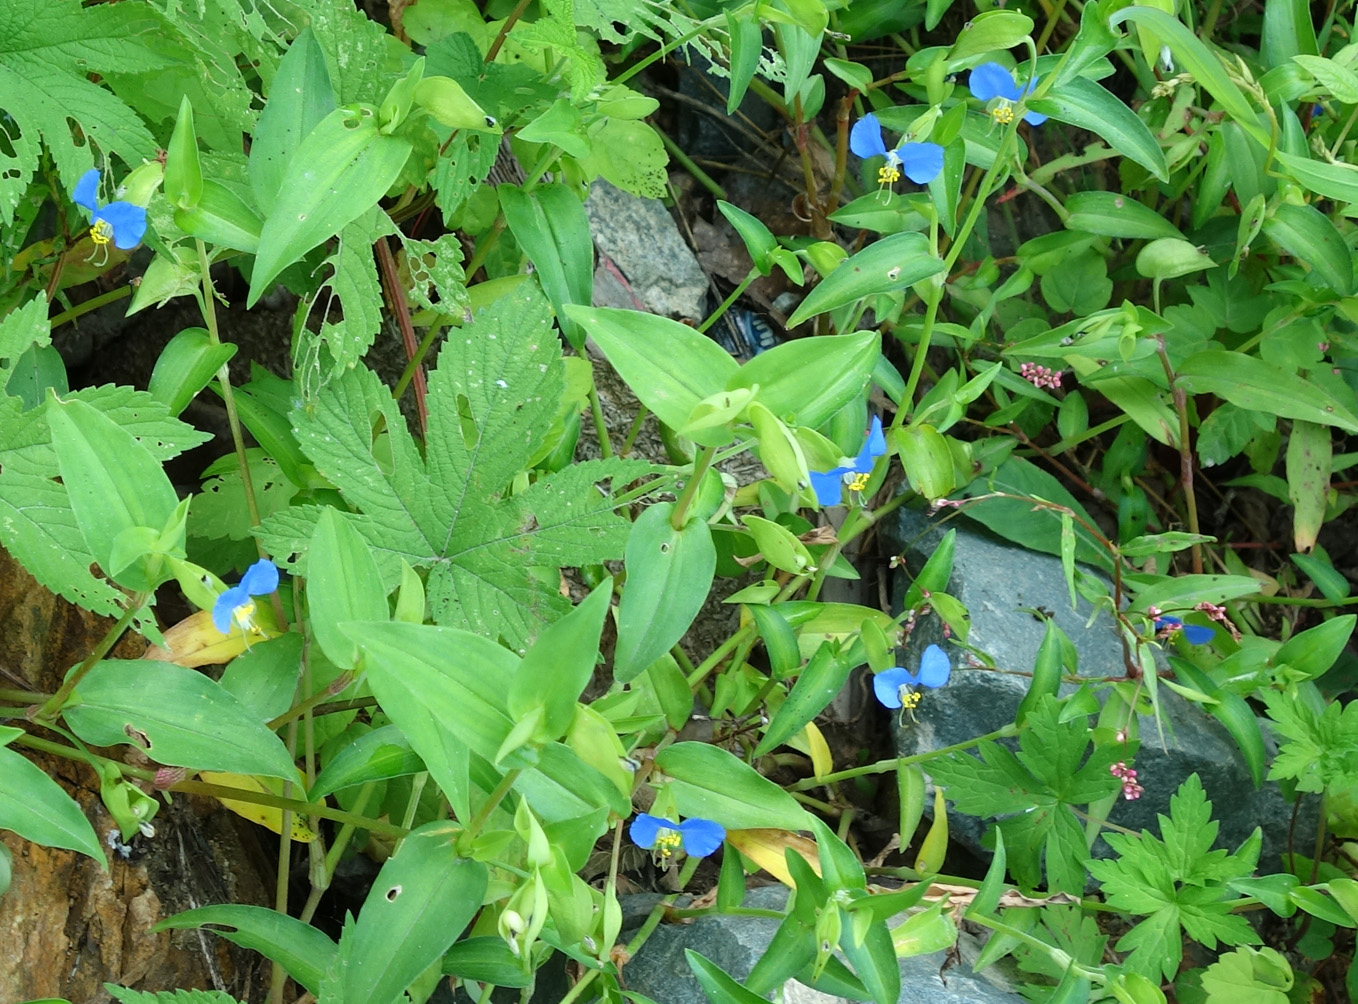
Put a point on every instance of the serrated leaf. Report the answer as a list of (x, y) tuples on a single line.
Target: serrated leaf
[(498, 384), (128, 996), (354, 282)]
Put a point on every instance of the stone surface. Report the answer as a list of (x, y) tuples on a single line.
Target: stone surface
[(661, 971), (644, 263), (999, 583)]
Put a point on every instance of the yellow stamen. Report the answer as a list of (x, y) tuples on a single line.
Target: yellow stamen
[(101, 232), (244, 615), (911, 699), (888, 174), (1003, 114), (667, 843), (859, 482)]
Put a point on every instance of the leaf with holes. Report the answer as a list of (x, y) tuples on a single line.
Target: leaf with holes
[(499, 383)]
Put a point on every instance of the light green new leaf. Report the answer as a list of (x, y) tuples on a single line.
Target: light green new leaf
[(669, 366), (301, 949), (185, 366), (1081, 102), (300, 96), (35, 807), (176, 716), (343, 585), (806, 381), (669, 574), (892, 263), (418, 906), (337, 173), (709, 782)]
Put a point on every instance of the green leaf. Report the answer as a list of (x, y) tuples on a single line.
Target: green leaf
[(47, 57), (183, 173), (556, 670), (669, 366), (113, 482), (220, 217), (1081, 102), (892, 263), (176, 716), (354, 281), (1182, 591), (126, 996), (378, 755), (1312, 652), (1330, 180), (299, 948), (1287, 32), (1310, 456), (1111, 214), (486, 960), (710, 783), (37, 809), (1247, 975), (419, 904), (498, 385), (185, 366), (300, 96), (343, 585), (337, 173), (1255, 385), (1233, 712), (551, 226), (719, 988), (669, 574), (747, 45), (821, 679), (806, 381), (1194, 57), (1307, 235), (1321, 748), (990, 31), (21, 329), (759, 239)]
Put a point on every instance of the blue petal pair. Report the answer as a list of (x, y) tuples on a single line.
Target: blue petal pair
[(934, 670), (829, 485), (120, 222), (696, 837), (991, 81), (235, 605), (1194, 634), (920, 162)]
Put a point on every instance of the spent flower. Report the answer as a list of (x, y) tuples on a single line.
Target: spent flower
[(920, 162), (993, 84), (695, 837), (828, 485), (120, 222), (235, 606), (894, 687)]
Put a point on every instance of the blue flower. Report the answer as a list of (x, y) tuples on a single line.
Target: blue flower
[(828, 485), (119, 222), (696, 837), (992, 82), (235, 605), (921, 162), (1195, 634), (934, 670)]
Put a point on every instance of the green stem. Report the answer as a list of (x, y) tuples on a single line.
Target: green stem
[(54, 703), (686, 162), (503, 33), (725, 304), (700, 465), (596, 410), (93, 303), (883, 766), (492, 802), (722, 651), (25, 697), (665, 50), (408, 374), (332, 857), (633, 431), (1185, 449)]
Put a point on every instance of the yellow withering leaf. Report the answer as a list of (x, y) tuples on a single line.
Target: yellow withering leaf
[(269, 816), (195, 641), (765, 848)]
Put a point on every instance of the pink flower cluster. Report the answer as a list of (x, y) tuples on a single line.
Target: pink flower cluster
[(1218, 614), (1131, 788), (1041, 376)]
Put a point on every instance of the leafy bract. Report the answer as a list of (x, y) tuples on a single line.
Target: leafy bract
[(1052, 770), (498, 386), (1176, 881)]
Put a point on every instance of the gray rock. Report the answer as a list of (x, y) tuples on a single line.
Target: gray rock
[(661, 971), (999, 583), (644, 263)]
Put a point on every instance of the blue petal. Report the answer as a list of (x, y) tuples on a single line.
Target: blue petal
[(921, 162), (1198, 635), (873, 447), (260, 578), (865, 138), (991, 80), (225, 607), (701, 836), (934, 667), (887, 685), (646, 828), (828, 485), (1161, 623), (128, 222), (1034, 118), (86, 189)]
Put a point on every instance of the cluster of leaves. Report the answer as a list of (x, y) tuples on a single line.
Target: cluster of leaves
[(1207, 306)]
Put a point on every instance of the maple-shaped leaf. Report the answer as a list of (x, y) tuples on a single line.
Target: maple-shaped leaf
[(1175, 882), (1322, 748), (47, 52), (1053, 769), (491, 553)]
